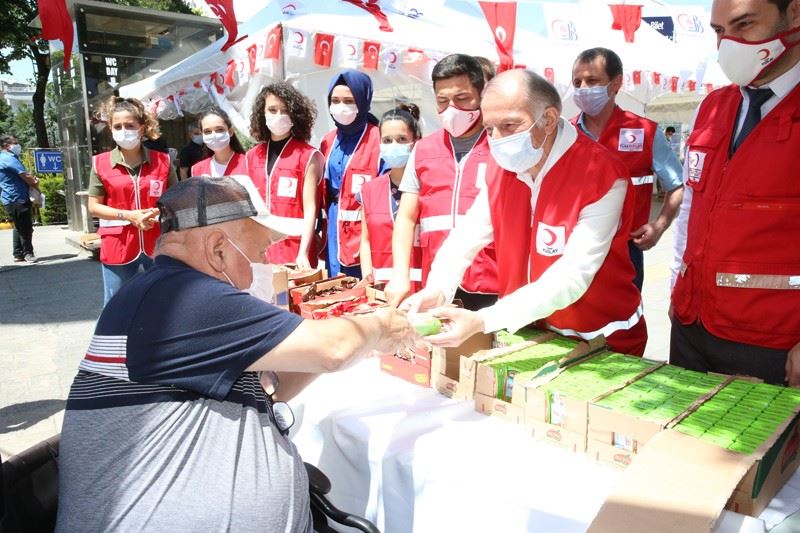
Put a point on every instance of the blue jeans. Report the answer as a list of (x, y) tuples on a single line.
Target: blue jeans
[(115, 276)]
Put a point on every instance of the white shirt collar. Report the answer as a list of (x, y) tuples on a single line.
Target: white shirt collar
[(783, 84)]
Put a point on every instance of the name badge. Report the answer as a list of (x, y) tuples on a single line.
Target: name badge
[(287, 186), (156, 188), (631, 140), (694, 163), (550, 240), (358, 181)]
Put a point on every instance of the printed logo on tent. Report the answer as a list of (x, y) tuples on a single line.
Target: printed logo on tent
[(631, 139), (690, 23), (564, 30), (550, 240), (696, 161), (414, 13), (292, 8)]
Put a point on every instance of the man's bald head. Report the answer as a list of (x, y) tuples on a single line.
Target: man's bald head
[(519, 85)]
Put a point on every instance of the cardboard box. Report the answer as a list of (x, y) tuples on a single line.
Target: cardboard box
[(296, 294), (490, 405), (417, 371), (572, 441), (302, 277), (446, 366)]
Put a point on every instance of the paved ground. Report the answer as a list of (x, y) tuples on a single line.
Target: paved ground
[(48, 311)]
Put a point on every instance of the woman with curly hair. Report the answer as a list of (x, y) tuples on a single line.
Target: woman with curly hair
[(286, 169), (124, 185), (227, 155)]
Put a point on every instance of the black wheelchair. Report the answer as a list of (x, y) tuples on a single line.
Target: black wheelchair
[(29, 498)]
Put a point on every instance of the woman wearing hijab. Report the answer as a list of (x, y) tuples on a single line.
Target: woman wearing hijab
[(352, 158)]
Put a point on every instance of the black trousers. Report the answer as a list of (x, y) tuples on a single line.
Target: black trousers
[(22, 217), (695, 348)]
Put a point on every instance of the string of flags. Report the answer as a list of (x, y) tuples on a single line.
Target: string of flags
[(264, 54)]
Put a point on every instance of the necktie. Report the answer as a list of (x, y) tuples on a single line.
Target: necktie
[(753, 116)]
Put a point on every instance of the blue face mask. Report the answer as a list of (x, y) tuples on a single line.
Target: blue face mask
[(395, 155)]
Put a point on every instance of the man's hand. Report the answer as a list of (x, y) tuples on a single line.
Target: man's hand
[(793, 366), (423, 300), (648, 235), (396, 290), (144, 219), (458, 326), (396, 331)]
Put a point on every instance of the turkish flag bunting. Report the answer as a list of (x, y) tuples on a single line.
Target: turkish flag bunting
[(550, 75), (223, 9), (637, 77), (230, 74), (673, 83), (372, 53), (502, 19), (709, 88), (57, 24), (323, 49), (273, 48), (692, 85), (252, 56), (657, 78), (215, 81), (627, 18)]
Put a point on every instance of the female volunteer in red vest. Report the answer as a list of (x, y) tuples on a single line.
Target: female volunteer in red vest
[(227, 155), (124, 186), (286, 169), (380, 197), (352, 158)]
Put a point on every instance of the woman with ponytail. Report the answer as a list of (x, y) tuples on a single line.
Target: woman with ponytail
[(219, 137)]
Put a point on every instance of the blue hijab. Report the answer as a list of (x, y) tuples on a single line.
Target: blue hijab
[(361, 86)]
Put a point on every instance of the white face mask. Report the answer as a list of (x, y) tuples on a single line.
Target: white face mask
[(261, 286), (344, 114), (591, 100), (278, 124), (516, 153), (217, 141), (395, 154), (744, 61), (458, 121), (197, 139), (126, 139), (15, 149)]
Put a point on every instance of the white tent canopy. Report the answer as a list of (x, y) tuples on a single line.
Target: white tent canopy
[(407, 55)]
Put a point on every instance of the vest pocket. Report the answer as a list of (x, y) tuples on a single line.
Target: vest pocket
[(757, 297), (703, 148)]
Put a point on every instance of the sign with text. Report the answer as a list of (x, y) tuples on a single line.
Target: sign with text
[(48, 162)]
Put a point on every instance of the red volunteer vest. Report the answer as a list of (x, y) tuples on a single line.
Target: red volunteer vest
[(237, 166), (377, 203), (527, 247), (282, 191), (361, 168), (630, 137), (447, 191), (120, 241), (741, 268)]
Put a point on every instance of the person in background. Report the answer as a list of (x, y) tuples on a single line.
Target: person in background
[(287, 170), (489, 70), (558, 209), (193, 151), (227, 155), (352, 158), (380, 197), (673, 140), (446, 171), (124, 185), (736, 269), (15, 185), (637, 141)]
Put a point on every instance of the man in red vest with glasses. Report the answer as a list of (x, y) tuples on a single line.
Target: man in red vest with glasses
[(559, 208), (736, 297), (637, 141)]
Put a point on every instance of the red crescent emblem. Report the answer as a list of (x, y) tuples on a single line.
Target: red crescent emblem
[(694, 159), (765, 53), (298, 37), (631, 138), (392, 58), (352, 49), (552, 240)]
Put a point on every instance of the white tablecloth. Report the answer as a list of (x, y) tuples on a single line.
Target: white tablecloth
[(410, 459)]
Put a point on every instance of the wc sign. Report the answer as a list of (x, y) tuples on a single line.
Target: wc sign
[(48, 161)]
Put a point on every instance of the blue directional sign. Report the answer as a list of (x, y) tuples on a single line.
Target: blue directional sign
[(48, 161)]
